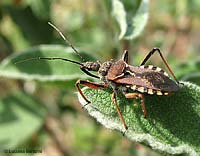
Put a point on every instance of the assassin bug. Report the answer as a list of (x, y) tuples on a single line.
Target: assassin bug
[(142, 79)]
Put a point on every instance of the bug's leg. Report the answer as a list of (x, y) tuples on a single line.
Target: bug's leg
[(125, 56), (141, 97), (163, 59), (118, 110), (90, 85), (88, 73)]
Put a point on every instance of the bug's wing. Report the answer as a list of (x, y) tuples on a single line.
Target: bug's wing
[(160, 81), (149, 80), (134, 81)]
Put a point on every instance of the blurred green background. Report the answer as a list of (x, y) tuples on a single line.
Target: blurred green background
[(43, 113)]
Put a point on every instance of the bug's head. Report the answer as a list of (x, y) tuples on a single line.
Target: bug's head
[(91, 66)]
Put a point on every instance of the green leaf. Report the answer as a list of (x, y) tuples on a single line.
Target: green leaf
[(119, 14), (193, 77), (189, 71), (131, 20), (42, 70), (40, 8), (20, 117), (172, 124), (30, 27)]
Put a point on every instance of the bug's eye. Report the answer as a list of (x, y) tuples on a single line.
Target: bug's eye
[(95, 66), (103, 73)]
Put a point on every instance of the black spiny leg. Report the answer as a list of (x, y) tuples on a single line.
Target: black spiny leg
[(163, 59)]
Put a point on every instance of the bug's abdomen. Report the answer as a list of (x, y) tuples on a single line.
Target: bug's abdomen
[(150, 91)]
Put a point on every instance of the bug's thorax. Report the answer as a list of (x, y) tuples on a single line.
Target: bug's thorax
[(110, 70), (104, 69)]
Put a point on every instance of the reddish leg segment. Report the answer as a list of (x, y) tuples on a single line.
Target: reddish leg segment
[(98, 86), (141, 97), (118, 110), (90, 85)]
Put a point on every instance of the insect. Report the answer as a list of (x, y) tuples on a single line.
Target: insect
[(133, 81)]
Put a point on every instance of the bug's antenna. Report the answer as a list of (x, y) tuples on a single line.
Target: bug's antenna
[(26, 60), (66, 40), (49, 58)]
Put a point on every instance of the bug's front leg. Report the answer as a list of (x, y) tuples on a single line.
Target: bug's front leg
[(141, 97), (90, 85)]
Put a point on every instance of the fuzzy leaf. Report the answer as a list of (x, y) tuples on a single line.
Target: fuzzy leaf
[(172, 124), (131, 21), (20, 116), (42, 70)]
